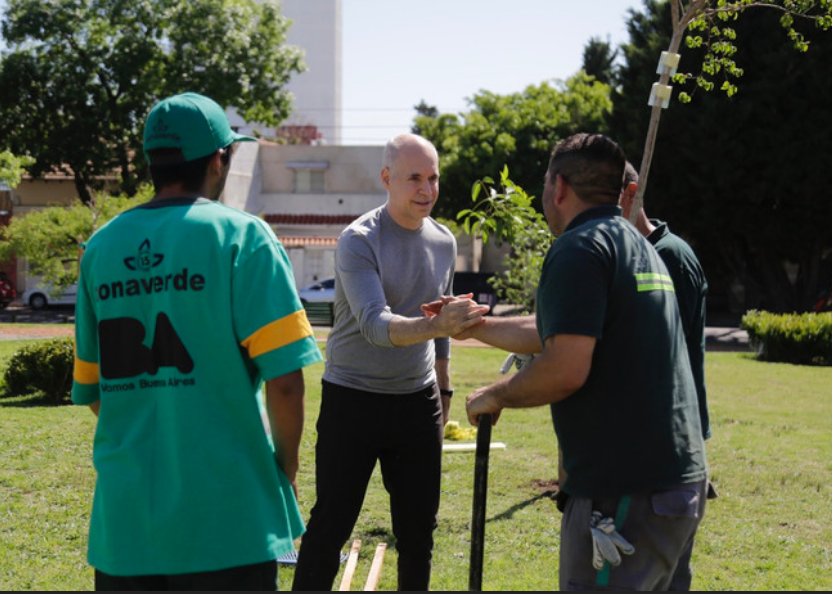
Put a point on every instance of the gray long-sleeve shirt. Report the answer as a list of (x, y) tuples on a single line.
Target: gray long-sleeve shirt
[(382, 270)]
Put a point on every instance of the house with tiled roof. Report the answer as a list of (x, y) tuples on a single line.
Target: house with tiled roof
[(308, 194)]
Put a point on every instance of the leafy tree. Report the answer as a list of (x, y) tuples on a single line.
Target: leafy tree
[(12, 168), (423, 109), (743, 178), (517, 130), (80, 75), (506, 213), (50, 239), (599, 60)]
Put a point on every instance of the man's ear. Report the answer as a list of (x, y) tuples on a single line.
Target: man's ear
[(216, 165), (385, 177)]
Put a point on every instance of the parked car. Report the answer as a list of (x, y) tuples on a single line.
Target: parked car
[(319, 292), (41, 297), (7, 291), (318, 300)]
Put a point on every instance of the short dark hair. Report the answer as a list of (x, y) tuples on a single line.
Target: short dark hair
[(592, 164), (168, 166)]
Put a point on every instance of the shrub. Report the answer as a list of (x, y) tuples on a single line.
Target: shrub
[(45, 366), (805, 339)]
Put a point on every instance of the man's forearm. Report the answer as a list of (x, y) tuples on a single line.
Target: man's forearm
[(285, 405), (556, 374), (408, 331), (516, 334), (454, 318)]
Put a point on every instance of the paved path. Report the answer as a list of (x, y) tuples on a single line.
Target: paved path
[(723, 338)]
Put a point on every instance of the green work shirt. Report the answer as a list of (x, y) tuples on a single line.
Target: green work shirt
[(184, 308), (634, 425), (691, 290)]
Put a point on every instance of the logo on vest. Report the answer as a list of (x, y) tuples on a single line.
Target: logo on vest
[(145, 260)]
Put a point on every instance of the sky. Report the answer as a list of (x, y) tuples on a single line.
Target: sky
[(397, 53), (444, 52)]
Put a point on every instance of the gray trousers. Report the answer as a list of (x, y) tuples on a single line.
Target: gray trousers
[(661, 525)]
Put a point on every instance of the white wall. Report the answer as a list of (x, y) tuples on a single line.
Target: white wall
[(242, 188)]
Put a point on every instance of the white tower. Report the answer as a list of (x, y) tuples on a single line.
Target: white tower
[(316, 108)]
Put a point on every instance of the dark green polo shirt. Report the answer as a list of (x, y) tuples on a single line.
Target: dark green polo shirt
[(691, 289), (634, 425)]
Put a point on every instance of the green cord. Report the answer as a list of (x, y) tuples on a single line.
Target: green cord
[(620, 515)]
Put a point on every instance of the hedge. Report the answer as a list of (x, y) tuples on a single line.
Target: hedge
[(804, 339), (43, 366)]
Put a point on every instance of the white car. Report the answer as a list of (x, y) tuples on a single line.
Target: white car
[(41, 297), (320, 292)]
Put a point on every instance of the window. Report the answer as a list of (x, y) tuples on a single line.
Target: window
[(309, 175), (309, 180)]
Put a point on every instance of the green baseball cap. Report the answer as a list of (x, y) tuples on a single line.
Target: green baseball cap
[(191, 122)]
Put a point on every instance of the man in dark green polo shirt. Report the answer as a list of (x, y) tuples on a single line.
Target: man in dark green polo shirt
[(689, 283), (614, 368), (691, 288)]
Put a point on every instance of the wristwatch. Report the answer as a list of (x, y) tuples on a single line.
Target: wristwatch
[(448, 393)]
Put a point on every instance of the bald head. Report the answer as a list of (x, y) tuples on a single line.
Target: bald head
[(411, 177), (403, 142)]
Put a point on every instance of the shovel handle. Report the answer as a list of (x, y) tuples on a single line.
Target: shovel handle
[(480, 492)]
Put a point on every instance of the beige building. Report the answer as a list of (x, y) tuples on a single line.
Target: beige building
[(308, 194), (52, 190)]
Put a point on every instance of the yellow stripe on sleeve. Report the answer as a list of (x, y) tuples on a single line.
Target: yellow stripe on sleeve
[(84, 372), (278, 334), (650, 281)]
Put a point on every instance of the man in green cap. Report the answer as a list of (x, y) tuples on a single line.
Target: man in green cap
[(185, 308)]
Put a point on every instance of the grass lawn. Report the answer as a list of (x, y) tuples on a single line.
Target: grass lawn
[(770, 458)]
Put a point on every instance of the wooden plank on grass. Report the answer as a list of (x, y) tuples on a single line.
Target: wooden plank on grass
[(375, 568), (470, 447), (349, 569)]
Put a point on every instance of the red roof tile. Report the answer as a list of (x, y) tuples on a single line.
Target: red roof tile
[(309, 219)]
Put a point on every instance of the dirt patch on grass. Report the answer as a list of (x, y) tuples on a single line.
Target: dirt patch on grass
[(547, 487)]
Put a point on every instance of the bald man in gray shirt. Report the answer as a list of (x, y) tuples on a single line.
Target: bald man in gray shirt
[(387, 387)]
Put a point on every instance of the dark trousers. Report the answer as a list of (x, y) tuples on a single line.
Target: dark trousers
[(355, 429), (257, 577), (661, 525)]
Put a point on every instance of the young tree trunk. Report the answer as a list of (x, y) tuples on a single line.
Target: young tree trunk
[(680, 23)]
